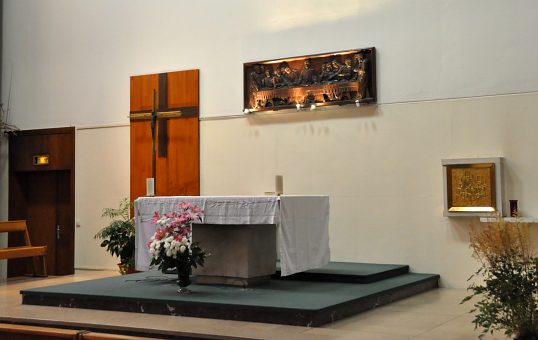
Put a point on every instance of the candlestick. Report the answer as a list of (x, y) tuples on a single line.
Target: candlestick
[(150, 186), (279, 184)]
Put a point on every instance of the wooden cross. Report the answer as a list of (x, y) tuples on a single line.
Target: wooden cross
[(159, 103), (158, 116)]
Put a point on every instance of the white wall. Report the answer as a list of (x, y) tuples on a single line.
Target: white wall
[(68, 63), (70, 60), (101, 181), (381, 167)]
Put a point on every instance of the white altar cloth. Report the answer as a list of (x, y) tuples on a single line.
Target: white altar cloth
[(304, 224)]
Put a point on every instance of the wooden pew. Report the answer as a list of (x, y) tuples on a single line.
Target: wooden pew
[(23, 251), (27, 332), (13, 332), (107, 336)]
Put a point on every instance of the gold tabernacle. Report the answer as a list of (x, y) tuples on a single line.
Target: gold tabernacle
[(471, 187)]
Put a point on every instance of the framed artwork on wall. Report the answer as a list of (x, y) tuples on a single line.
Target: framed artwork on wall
[(335, 78), (473, 186)]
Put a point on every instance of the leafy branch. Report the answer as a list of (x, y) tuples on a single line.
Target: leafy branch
[(508, 291)]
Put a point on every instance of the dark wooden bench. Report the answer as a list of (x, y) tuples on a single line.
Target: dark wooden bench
[(14, 332), (27, 332), (23, 251)]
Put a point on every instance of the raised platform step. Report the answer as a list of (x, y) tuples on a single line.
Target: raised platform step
[(303, 303), (349, 272)]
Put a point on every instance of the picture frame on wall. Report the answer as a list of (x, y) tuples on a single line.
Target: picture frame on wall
[(473, 186), (310, 81)]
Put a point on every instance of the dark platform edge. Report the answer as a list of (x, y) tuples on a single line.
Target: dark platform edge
[(344, 278), (289, 316)]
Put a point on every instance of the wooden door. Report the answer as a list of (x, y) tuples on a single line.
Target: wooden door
[(44, 196), (41, 195), (177, 138)]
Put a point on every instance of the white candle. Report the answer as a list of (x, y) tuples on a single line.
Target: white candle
[(150, 186), (279, 184)]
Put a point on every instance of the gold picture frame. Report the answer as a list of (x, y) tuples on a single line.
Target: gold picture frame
[(473, 187)]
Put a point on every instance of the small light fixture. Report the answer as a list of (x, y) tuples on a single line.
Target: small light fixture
[(246, 111), (298, 106), (357, 103), (312, 107), (41, 160)]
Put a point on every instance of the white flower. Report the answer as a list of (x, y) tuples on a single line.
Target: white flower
[(168, 253), (182, 249), (151, 250)]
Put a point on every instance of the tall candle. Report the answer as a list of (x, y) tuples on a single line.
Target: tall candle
[(150, 186), (279, 184)]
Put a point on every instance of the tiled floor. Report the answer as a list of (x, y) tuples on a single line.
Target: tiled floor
[(432, 315)]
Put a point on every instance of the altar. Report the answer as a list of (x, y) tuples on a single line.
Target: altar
[(298, 224)]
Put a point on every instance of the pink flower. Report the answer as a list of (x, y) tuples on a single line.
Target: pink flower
[(184, 218), (155, 217), (158, 234), (184, 205), (177, 224)]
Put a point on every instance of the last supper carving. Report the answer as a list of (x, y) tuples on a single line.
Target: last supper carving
[(335, 78)]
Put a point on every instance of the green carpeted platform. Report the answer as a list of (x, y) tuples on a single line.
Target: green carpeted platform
[(348, 272), (306, 303)]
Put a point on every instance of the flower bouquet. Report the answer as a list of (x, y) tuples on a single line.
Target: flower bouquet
[(171, 246)]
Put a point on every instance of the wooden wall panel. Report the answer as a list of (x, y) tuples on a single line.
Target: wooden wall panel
[(59, 143), (177, 169), (140, 157), (142, 92), (178, 174), (183, 88)]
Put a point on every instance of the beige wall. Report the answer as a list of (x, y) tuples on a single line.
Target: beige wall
[(381, 167), (101, 181)]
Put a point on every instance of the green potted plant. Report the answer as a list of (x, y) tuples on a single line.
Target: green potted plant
[(119, 236), (507, 285)]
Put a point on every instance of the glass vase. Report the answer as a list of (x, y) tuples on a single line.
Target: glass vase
[(183, 276)]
